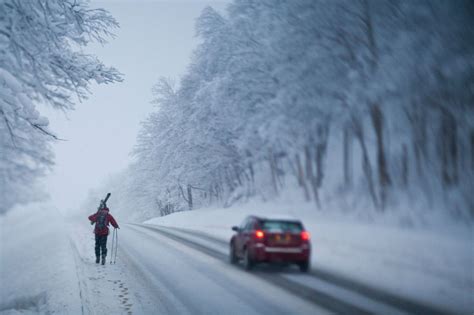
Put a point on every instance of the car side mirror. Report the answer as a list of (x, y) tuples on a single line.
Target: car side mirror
[(235, 228)]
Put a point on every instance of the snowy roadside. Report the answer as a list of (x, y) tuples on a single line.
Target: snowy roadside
[(109, 289), (47, 267), (436, 268), (37, 268)]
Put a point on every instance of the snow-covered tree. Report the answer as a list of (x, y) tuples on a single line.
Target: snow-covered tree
[(41, 61), (342, 98)]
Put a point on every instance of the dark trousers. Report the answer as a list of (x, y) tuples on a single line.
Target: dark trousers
[(101, 245)]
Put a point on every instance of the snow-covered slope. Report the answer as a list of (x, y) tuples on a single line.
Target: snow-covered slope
[(433, 266), (37, 268)]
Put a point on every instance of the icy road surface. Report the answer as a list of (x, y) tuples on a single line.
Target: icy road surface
[(157, 275)]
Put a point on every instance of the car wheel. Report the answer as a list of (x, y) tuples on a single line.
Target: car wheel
[(232, 256), (248, 262), (304, 266)]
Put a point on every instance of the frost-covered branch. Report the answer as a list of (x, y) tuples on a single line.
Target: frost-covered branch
[(41, 61)]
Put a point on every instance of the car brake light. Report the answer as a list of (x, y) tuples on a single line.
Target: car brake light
[(259, 234), (305, 236)]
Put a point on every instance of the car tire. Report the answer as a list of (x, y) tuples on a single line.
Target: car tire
[(248, 262), (232, 256), (304, 266)]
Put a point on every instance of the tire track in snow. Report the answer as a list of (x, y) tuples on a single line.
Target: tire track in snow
[(80, 275), (260, 304), (378, 295), (309, 294), (228, 283), (148, 280)]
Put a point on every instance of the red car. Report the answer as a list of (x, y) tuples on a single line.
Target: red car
[(260, 239)]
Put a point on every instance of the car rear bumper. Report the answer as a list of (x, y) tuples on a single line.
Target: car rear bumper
[(284, 250), (264, 253)]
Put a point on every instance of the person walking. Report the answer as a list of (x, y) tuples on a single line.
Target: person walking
[(102, 218)]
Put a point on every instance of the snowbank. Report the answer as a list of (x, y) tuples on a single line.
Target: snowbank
[(37, 268), (431, 265)]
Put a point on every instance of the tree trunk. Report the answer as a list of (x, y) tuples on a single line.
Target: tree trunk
[(418, 120), (384, 179), (252, 178), (366, 166), (405, 166), (279, 175), (310, 176), (309, 164), (472, 150), (321, 147), (453, 149), (230, 182), (314, 186), (347, 149), (190, 197), (271, 162), (237, 175), (210, 194), (449, 150), (301, 180), (252, 172), (369, 25), (218, 190)]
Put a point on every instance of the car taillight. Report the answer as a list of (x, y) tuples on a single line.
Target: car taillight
[(259, 234), (305, 236)]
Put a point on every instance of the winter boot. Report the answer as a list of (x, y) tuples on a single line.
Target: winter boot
[(97, 259), (103, 260)]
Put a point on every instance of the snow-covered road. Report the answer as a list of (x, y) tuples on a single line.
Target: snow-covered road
[(155, 274), (320, 290), (160, 270)]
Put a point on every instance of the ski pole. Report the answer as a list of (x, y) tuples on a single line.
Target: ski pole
[(112, 247), (116, 245)]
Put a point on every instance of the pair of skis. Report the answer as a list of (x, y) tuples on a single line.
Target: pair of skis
[(102, 204)]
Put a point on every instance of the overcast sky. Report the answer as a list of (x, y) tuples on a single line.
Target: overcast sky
[(155, 39)]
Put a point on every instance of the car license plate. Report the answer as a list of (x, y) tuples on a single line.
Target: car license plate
[(282, 239)]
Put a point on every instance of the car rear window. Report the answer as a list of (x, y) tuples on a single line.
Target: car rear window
[(281, 226)]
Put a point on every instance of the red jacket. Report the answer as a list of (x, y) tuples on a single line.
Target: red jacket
[(108, 219)]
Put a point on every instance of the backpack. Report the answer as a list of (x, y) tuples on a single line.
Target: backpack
[(101, 222)]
